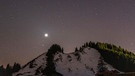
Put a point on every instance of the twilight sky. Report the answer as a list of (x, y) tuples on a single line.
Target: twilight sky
[(69, 23)]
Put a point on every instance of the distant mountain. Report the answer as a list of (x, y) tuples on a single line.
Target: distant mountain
[(88, 60)]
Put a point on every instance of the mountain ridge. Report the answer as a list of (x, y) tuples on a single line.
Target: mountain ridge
[(60, 62)]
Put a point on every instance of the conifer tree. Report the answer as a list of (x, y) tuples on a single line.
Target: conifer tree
[(16, 67)]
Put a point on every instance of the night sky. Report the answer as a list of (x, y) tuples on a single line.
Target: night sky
[(69, 23)]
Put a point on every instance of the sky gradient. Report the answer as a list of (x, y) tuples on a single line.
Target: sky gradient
[(69, 23)]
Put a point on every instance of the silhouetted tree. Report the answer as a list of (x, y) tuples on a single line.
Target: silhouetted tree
[(9, 70), (76, 49), (50, 67), (16, 67), (2, 71)]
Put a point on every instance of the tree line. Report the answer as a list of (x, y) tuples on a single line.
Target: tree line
[(118, 57), (9, 70)]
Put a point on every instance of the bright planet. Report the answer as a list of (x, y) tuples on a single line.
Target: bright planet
[(46, 35)]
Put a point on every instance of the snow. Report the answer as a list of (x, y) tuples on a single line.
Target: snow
[(82, 67), (39, 61), (71, 64)]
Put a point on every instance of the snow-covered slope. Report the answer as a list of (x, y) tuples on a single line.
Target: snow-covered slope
[(30, 68), (81, 63)]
